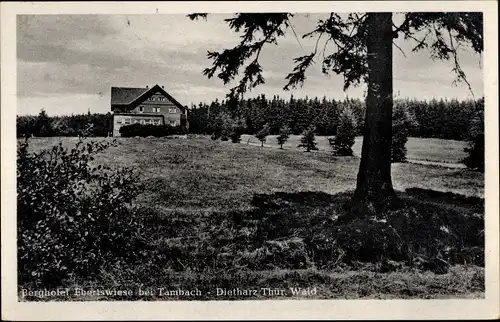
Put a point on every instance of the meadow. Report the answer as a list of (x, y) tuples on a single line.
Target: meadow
[(218, 214)]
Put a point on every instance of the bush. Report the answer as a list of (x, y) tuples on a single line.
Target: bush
[(308, 140), (144, 130), (475, 159), (346, 132), (283, 136), (25, 126), (73, 218)]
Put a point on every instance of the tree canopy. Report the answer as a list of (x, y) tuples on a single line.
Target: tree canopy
[(343, 49)]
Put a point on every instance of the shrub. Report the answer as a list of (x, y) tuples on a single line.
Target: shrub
[(235, 136), (73, 218), (283, 136), (346, 132), (144, 130), (262, 134), (308, 140), (25, 126), (475, 159), (60, 128)]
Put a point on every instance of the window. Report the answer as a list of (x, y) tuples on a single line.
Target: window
[(172, 123), (172, 110), (141, 109), (143, 121), (150, 121), (118, 121), (157, 122), (156, 109), (162, 99), (151, 99), (136, 121), (127, 121)]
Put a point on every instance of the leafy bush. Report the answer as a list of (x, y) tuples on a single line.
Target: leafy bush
[(144, 130), (346, 132), (475, 159), (25, 126), (73, 217), (283, 136), (262, 134), (308, 140)]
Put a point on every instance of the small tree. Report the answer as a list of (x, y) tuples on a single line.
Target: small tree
[(43, 124), (235, 128), (262, 134), (308, 140), (346, 132), (475, 159), (403, 122), (283, 136)]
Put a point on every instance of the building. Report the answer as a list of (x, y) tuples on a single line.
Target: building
[(145, 106)]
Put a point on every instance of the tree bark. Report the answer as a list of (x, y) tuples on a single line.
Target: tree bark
[(374, 190)]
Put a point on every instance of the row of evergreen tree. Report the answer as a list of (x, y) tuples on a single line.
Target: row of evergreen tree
[(446, 119), (227, 127), (43, 125), (342, 120)]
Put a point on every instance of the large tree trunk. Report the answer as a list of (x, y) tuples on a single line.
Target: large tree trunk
[(374, 189)]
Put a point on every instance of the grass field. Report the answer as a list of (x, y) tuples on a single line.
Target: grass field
[(241, 216), (419, 149)]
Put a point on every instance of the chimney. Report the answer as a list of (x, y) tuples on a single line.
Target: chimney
[(147, 86), (162, 86)]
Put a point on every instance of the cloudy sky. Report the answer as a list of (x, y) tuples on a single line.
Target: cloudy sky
[(68, 63)]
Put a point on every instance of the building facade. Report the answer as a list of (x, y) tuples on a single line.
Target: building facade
[(145, 106)]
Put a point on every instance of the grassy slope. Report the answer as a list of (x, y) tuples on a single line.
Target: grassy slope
[(195, 182)]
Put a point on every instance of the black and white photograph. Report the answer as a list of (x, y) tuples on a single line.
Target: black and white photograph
[(251, 156)]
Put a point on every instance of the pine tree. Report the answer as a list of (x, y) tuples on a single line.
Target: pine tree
[(262, 134), (43, 124), (403, 123), (364, 45), (346, 132), (283, 136), (475, 159), (308, 140)]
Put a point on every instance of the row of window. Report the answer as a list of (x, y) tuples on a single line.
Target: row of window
[(141, 121), (157, 110), (128, 121), (161, 99)]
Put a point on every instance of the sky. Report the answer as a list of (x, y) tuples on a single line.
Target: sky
[(67, 64)]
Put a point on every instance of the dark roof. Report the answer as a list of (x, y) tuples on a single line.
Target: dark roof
[(132, 96), (125, 95)]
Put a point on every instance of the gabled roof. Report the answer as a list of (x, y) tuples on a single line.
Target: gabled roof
[(133, 96), (125, 95)]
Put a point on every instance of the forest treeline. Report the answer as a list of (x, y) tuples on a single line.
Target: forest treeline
[(445, 119)]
